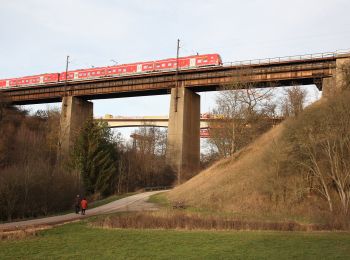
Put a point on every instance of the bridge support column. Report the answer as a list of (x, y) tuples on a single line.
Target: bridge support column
[(183, 147), (74, 113), (328, 87), (333, 85)]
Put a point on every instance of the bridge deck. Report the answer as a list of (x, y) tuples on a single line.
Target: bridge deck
[(276, 72)]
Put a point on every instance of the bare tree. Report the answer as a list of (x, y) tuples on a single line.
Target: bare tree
[(322, 144), (243, 110), (294, 101)]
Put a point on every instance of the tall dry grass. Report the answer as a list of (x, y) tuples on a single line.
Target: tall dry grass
[(182, 220)]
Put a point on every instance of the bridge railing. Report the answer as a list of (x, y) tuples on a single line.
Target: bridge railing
[(288, 58)]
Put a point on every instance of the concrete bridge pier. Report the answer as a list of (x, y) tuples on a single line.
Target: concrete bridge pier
[(74, 113), (183, 145), (335, 84)]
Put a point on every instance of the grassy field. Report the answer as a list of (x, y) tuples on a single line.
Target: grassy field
[(79, 241)]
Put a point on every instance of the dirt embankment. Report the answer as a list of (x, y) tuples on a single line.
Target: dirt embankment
[(230, 184)]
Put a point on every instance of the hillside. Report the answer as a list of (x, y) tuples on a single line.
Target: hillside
[(266, 178), (233, 183)]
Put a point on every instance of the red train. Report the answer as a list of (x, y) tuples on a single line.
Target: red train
[(188, 62)]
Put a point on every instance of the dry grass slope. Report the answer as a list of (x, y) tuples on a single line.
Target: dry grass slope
[(231, 184), (268, 179)]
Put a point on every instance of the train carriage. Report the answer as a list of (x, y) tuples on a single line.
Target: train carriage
[(119, 70), (131, 68), (146, 66), (3, 83), (48, 78), (90, 73), (66, 76), (112, 71), (29, 80), (207, 60)]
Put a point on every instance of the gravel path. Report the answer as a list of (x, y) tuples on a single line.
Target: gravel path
[(136, 202)]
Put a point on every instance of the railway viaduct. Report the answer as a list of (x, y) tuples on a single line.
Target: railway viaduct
[(151, 121), (323, 70), (158, 121)]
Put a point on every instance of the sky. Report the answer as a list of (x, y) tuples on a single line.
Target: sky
[(37, 35)]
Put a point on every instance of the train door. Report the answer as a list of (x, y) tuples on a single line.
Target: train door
[(139, 68), (192, 62)]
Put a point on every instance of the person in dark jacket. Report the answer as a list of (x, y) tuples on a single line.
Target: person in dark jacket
[(77, 204)]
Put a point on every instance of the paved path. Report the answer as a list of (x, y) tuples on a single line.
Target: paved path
[(136, 202)]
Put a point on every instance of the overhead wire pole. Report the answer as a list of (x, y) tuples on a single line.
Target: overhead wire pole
[(177, 75), (177, 97), (66, 83), (59, 154)]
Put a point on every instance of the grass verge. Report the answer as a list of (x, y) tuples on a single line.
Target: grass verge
[(160, 199), (79, 241)]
